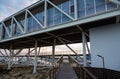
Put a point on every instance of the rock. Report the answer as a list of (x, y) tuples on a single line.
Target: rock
[(16, 74), (6, 77), (19, 78)]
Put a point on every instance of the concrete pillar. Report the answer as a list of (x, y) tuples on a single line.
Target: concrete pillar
[(84, 49), (35, 59)]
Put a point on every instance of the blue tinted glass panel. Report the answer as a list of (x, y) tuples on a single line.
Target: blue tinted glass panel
[(57, 16), (100, 6), (40, 17), (81, 8), (50, 16), (5, 35), (32, 24), (111, 6), (90, 7), (22, 23), (16, 30), (13, 30), (72, 8), (65, 7)]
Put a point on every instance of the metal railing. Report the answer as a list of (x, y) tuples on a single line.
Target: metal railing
[(81, 71), (50, 74)]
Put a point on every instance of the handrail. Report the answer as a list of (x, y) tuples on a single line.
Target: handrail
[(51, 72), (83, 69)]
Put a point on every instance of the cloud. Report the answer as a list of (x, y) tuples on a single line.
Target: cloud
[(10, 7)]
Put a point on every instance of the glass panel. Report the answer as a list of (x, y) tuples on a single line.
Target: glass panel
[(57, 16), (22, 23), (111, 6), (72, 8), (90, 7), (32, 24), (50, 17), (16, 30), (65, 7), (40, 17), (5, 35), (81, 8), (100, 6)]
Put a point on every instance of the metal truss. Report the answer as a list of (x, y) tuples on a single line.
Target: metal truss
[(74, 20), (27, 12)]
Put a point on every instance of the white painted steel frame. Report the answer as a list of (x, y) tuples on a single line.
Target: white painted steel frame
[(9, 62), (84, 49), (18, 24), (6, 29), (24, 30), (35, 58), (92, 18)]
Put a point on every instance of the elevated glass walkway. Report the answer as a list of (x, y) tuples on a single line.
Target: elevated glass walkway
[(35, 21)]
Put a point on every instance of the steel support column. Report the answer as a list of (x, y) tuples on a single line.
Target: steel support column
[(45, 13), (9, 62), (1, 31), (75, 10), (84, 49), (53, 56), (35, 59), (26, 22)]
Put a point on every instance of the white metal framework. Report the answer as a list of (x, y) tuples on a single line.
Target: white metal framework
[(74, 20)]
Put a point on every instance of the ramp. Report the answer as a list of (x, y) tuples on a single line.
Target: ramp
[(66, 72)]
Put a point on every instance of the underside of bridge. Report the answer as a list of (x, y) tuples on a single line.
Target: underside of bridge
[(72, 34)]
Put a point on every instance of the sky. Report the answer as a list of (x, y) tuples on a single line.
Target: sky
[(9, 7)]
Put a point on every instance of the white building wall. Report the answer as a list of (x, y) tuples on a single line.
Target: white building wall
[(105, 41)]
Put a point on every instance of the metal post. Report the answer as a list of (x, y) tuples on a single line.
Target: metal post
[(35, 58), (9, 62), (53, 56), (103, 61), (28, 57), (84, 49), (11, 31), (75, 9), (26, 22), (45, 14), (1, 31)]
